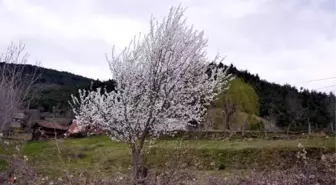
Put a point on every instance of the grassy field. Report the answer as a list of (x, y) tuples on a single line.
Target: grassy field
[(102, 155)]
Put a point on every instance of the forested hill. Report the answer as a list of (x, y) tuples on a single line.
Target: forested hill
[(288, 106), (50, 76), (282, 104), (54, 87)]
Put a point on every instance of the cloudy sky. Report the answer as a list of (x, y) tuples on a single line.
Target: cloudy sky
[(284, 41)]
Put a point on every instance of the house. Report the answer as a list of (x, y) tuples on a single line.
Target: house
[(24, 119), (47, 130), (75, 129), (19, 120)]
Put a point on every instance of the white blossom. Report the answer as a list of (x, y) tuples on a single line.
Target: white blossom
[(300, 145), (161, 84)]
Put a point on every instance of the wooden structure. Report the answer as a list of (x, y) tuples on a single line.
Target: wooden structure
[(19, 120), (25, 119), (48, 130), (74, 129)]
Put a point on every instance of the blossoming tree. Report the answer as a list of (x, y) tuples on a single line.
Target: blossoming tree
[(163, 81)]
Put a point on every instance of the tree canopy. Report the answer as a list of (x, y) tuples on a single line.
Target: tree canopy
[(161, 84), (236, 97)]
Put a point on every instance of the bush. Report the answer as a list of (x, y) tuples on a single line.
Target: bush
[(257, 125)]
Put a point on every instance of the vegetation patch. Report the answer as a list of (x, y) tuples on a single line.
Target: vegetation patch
[(99, 154), (3, 164)]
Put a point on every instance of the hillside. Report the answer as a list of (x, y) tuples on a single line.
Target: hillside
[(55, 95), (289, 107), (51, 76), (283, 104), (54, 87)]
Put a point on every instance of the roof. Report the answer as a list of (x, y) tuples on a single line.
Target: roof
[(19, 115), (52, 125), (74, 128)]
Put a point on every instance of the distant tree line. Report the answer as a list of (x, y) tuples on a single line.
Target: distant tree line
[(289, 107), (59, 95)]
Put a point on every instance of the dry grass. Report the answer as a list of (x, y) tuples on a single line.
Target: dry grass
[(320, 172)]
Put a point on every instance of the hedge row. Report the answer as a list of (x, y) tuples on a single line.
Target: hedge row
[(190, 135)]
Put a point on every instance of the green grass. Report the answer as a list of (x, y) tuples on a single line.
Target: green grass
[(105, 142), (256, 143), (3, 164), (102, 155)]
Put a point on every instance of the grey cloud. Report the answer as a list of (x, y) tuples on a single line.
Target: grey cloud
[(328, 5), (84, 51), (283, 41), (129, 8)]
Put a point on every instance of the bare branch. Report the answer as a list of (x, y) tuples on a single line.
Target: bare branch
[(15, 83)]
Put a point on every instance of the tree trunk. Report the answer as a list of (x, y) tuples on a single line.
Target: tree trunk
[(136, 165), (139, 171), (288, 128), (332, 127), (227, 122), (309, 127)]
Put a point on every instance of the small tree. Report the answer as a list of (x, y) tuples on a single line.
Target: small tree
[(236, 97), (15, 83), (161, 84)]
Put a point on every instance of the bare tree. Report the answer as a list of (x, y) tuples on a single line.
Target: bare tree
[(331, 102), (271, 124), (228, 109), (294, 109), (15, 83)]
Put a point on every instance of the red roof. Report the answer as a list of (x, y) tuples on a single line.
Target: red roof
[(52, 125), (74, 128)]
